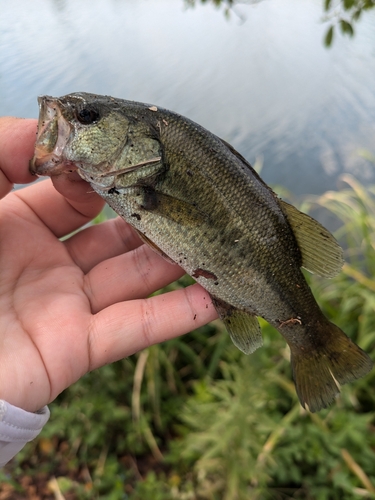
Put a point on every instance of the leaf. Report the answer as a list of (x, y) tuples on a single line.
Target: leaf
[(348, 4), (368, 4), (327, 4), (346, 27), (329, 36), (356, 15)]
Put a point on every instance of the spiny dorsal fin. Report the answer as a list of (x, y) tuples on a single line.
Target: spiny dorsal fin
[(321, 254)]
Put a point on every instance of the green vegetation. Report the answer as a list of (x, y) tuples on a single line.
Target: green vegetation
[(343, 15), (194, 419), (340, 15)]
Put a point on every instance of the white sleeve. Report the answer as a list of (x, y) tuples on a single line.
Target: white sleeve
[(17, 427)]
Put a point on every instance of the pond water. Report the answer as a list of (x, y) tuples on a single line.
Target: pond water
[(261, 79)]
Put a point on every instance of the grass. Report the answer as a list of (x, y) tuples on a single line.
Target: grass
[(194, 419)]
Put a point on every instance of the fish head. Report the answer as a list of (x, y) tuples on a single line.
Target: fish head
[(79, 131)]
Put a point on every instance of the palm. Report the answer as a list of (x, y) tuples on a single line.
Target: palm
[(69, 307), (46, 317)]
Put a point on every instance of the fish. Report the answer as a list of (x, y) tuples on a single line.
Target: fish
[(198, 203)]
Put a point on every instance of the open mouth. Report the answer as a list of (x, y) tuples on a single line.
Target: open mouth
[(53, 135)]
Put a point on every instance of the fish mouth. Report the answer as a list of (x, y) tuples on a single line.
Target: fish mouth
[(52, 137)]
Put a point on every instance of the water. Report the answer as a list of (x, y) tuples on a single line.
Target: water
[(262, 80)]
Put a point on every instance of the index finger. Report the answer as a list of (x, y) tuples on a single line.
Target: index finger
[(128, 327), (17, 139)]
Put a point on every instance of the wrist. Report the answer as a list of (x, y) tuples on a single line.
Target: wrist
[(17, 427), (25, 403)]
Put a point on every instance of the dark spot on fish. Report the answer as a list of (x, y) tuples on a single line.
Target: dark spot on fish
[(137, 216), (189, 172), (150, 199), (113, 190), (216, 283), (195, 316), (204, 273)]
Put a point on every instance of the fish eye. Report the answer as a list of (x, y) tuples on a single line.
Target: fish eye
[(86, 116)]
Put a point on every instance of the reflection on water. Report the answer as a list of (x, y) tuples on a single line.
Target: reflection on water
[(267, 85)]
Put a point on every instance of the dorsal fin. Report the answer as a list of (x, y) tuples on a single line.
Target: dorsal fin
[(321, 254)]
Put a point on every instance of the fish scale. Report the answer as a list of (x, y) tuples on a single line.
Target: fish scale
[(245, 255), (196, 201)]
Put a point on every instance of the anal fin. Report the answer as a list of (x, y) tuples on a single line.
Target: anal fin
[(243, 327)]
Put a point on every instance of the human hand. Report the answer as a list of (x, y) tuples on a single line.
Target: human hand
[(69, 307)]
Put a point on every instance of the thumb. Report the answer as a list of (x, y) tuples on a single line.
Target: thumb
[(17, 139)]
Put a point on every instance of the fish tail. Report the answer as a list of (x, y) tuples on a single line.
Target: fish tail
[(332, 360)]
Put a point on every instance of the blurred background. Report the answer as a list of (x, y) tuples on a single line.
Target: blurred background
[(193, 418), (258, 75)]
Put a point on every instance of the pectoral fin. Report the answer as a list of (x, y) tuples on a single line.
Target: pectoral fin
[(179, 211), (243, 328), (321, 254)]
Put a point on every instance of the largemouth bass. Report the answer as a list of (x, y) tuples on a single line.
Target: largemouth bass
[(198, 202)]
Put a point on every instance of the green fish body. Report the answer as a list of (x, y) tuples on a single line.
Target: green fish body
[(198, 202)]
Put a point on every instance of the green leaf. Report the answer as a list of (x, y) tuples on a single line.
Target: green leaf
[(356, 15), (329, 37), (346, 27), (348, 4), (368, 4), (327, 4)]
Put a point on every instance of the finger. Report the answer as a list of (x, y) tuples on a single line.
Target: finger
[(78, 192), (133, 275), (125, 328), (5, 184), (55, 211), (100, 242), (17, 139)]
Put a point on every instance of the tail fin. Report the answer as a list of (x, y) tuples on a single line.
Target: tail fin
[(319, 371)]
